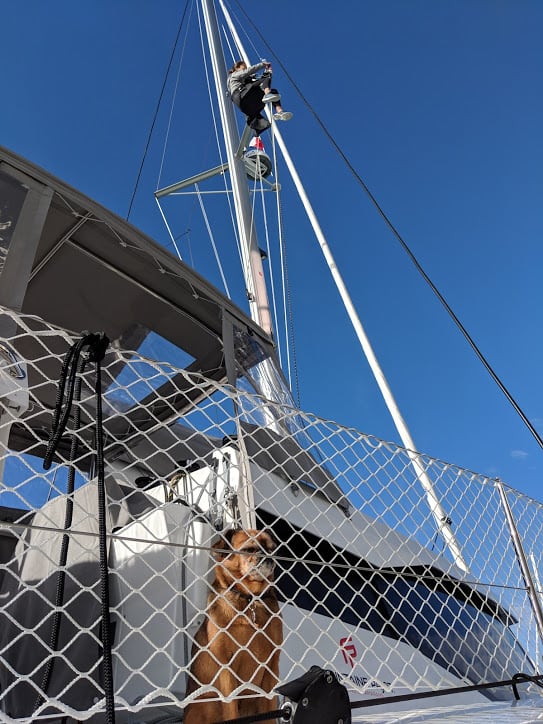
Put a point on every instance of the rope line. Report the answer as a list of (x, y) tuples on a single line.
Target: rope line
[(403, 243), (277, 195), (96, 355), (68, 517), (519, 678), (248, 37), (69, 388), (290, 338), (285, 713), (285, 559)]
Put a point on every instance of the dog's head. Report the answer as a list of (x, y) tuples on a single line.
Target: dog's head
[(246, 555)]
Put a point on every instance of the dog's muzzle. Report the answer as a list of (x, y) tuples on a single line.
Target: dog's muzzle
[(265, 565)]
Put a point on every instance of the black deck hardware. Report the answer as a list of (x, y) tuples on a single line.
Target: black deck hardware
[(319, 697)]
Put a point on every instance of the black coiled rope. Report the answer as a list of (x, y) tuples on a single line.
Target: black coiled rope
[(61, 575), (68, 390)]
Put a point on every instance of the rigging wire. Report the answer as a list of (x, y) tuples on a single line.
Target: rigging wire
[(228, 43), (290, 342), (221, 157), (287, 329), (270, 259), (281, 256), (212, 238), (166, 141), (170, 117), (288, 334), (145, 152), (248, 38), (200, 197), (168, 229), (400, 239), (252, 227), (289, 315)]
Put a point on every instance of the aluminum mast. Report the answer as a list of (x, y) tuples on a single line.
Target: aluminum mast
[(252, 261)]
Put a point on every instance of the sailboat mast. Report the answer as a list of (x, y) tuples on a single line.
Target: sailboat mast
[(442, 519), (252, 260)]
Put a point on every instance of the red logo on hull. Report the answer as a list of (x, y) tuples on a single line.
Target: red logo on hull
[(348, 649)]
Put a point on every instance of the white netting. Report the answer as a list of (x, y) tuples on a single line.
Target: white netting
[(366, 585)]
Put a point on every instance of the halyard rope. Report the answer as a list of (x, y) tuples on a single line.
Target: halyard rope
[(70, 388)]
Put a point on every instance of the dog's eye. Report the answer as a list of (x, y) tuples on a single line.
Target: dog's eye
[(252, 550)]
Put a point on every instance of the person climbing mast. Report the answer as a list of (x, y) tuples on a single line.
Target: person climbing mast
[(250, 94)]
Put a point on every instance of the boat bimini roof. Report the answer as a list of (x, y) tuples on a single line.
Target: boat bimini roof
[(79, 267), (88, 269)]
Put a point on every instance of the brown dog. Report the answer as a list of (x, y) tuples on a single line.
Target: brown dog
[(239, 641)]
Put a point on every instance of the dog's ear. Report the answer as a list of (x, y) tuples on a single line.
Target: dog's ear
[(223, 546)]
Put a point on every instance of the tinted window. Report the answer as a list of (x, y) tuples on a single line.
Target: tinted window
[(455, 634), (448, 621)]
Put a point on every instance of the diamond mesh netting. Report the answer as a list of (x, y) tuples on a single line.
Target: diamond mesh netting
[(364, 583)]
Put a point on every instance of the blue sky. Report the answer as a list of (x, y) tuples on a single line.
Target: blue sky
[(438, 106)]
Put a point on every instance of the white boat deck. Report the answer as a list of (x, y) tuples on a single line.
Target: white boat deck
[(521, 712)]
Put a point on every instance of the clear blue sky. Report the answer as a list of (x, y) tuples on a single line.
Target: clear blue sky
[(438, 105)]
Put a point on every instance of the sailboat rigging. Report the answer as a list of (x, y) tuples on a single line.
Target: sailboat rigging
[(255, 280), (202, 436)]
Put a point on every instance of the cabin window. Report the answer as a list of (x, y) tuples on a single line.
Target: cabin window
[(142, 374), (453, 633)]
